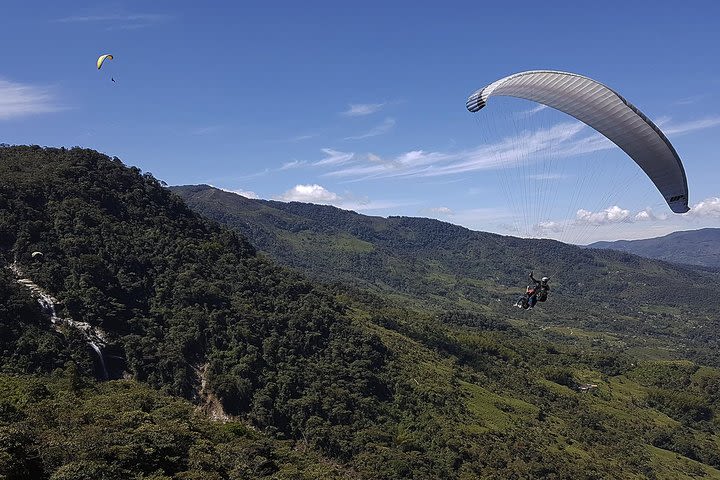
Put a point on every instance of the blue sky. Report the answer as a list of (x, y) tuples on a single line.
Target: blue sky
[(339, 103)]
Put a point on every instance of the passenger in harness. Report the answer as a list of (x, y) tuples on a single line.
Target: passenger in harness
[(537, 292), (542, 287)]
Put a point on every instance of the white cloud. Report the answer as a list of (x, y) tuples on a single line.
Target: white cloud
[(612, 214), (119, 21), (267, 171), (406, 164), (647, 215), (333, 157), (710, 207), (244, 193), (566, 139), (361, 109), (18, 100), (597, 142), (312, 193), (590, 226), (300, 138), (291, 165), (503, 154), (691, 126), (532, 111), (615, 223), (442, 211), (381, 129), (584, 145), (643, 215), (550, 226)]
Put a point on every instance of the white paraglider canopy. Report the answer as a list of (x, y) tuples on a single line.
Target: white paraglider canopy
[(606, 111)]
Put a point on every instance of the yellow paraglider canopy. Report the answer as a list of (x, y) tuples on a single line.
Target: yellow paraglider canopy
[(102, 58)]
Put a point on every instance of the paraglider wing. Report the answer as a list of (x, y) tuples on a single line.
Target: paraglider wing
[(36, 254), (101, 59), (607, 112)]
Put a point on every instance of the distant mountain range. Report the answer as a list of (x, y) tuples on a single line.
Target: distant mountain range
[(692, 247), (441, 264)]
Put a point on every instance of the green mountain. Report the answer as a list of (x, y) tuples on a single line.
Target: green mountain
[(185, 305), (223, 364), (693, 247), (448, 267)]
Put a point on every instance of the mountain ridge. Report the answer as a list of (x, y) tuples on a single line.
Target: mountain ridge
[(427, 257), (692, 247)]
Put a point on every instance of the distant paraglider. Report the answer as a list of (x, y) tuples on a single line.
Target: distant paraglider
[(37, 255), (101, 59)]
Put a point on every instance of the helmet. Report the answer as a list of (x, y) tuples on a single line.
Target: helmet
[(544, 279)]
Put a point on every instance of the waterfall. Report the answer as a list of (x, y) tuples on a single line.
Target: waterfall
[(95, 337), (102, 359), (48, 306)]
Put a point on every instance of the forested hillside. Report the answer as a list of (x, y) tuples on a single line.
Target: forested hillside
[(295, 378), (181, 300), (650, 304)]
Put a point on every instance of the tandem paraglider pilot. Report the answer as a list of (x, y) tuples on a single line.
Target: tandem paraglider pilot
[(536, 292)]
